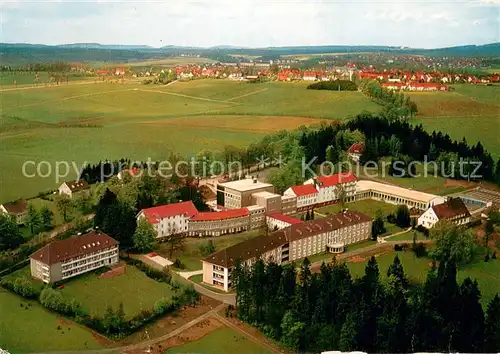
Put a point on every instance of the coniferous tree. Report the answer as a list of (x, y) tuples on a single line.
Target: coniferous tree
[(470, 327), (492, 326), (396, 270)]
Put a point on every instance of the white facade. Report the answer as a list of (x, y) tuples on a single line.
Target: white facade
[(18, 217), (303, 200), (175, 224)]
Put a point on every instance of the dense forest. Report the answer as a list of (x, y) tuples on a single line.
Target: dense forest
[(314, 312)]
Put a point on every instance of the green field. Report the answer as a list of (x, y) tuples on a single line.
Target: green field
[(191, 256), (368, 207), (10, 79), (92, 121), (35, 329), (487, 274), (471, 111), (134, 289), (222, 340)]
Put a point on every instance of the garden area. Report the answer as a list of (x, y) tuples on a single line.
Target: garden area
[(134, 289)]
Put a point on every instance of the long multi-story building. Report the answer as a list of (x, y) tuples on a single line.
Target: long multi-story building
[(291, 243), (73, 256)]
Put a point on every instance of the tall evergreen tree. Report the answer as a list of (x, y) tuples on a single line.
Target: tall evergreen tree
[(492, 326), (470, 327)]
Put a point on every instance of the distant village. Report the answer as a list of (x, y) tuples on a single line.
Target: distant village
[(431, 79)]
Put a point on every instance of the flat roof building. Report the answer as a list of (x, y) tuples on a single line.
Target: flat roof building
[(238, 194)]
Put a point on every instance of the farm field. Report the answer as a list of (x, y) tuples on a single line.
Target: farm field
[(221, 340), (27, 327), (9, 79), (171, 61), (134, 289), (487, 274), (471, 111), (94, 121)]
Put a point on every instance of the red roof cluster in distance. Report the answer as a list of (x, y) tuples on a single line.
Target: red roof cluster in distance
[(356, 148)]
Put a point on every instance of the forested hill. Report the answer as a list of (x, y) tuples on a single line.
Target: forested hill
[(20, 53)]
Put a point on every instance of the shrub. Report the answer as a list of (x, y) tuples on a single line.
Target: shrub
[(23, 287), (487, 257), (53, 300), (494, 255), (178, 264), (420, 250)]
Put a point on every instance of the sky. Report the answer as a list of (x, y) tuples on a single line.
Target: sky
[(252, 23)]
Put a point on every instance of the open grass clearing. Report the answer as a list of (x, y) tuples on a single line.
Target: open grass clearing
[(221, 340), (134, 289), (262, 124), (368, 207), (27, 327)]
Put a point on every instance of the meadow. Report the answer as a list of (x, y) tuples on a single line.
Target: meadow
[(134, 289), (92, 121), (221, 340), (10, 79), (27, 327), (471, 111)]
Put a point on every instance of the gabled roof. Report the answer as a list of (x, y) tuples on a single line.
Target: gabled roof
[(18, 207), (285, 218), (338, 178), (221, 215), (257, 246), (76, 186), (356, 148), (304, 189), (154, 214), (451, 208), (62, 250)]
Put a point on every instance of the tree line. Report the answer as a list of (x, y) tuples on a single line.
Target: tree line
[(314, 312), (395, 104), (335, 85)]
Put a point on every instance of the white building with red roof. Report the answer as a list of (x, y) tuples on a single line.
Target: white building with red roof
[(278, 221), (329, 187), (169, 219), (355, 150), (306, 194)]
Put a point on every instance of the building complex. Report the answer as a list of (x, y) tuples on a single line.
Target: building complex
[(296, 241)]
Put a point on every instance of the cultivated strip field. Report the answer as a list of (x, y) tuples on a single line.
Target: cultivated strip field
[(472, 111), (92, 121)]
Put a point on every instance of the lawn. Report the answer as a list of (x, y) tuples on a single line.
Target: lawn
[(486, 274), (408, 236), (25, 272), (368, 207), (222, 340), (134, 289), (35, 329), (191, 256), (198, 279), (471, 111), (7, 79)]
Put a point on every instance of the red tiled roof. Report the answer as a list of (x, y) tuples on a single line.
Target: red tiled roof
[(304, 189), (221, 215), (164, 211), (285, 218), (62, 250), (134, 171), (452, 208), (356, 148), (333, 180), (18, 207)]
